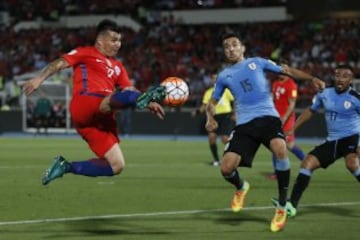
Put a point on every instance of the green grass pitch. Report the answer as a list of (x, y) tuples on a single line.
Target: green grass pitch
[(167, 191)]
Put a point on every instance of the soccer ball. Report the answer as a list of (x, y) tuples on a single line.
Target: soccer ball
[(177, 91)]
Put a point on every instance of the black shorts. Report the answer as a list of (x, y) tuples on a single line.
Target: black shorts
[(245, 139), (330, 151), (225, 123)]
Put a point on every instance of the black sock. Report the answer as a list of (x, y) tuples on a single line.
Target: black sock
[(235, 179), (283, 178), (214, 152), (124, 99), (301, 183)]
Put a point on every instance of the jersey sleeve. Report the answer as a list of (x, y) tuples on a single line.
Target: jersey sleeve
[(219, 88), (269, 65), (75, 56), (228, 95), (317, 103)]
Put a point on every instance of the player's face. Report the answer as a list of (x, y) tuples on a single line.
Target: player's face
[(110, 43), (343, 79), (233, 49)]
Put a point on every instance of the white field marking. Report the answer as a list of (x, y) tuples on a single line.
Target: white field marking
[(106, 183), (134, 215)]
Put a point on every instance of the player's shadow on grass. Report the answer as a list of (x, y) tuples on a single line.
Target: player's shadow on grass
[(334, 210), (105, 227), (236, 219)]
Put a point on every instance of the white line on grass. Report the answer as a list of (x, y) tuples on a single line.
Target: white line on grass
[(54, 220)]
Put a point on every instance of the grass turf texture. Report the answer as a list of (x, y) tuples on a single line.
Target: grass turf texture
[(167, 191)]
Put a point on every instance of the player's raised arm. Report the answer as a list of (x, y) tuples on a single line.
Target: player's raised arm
[(33, 84), (298, 74)]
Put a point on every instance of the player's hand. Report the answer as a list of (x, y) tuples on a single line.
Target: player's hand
[(31, 86), (157, 109), (319, 84), (211, 125)]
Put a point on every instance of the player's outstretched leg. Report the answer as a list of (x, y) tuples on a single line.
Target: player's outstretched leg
[(155, 94), (56, 170)]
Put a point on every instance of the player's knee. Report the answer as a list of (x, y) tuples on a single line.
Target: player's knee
[(281, 154), (118, 167), (227, 168), (352, 164), (279, 148), (310, 162), (229, 163), (290, 145), (225, 171)]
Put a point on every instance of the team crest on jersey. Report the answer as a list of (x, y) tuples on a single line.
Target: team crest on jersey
[(281, 90), (252, 66), (347, 104), (117, 70)]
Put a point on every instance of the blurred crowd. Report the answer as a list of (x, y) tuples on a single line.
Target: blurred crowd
[(51, 10), (168, 48)]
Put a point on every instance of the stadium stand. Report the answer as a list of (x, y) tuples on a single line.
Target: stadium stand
[(168, 47)]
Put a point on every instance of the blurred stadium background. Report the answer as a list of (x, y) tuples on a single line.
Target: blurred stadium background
[(169, 38), (169, 190)]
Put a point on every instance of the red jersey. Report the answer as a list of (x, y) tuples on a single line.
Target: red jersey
[(94, 73), (282, 92)]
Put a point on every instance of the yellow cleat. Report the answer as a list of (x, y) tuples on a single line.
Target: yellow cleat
[(239, 198), (279, 220)]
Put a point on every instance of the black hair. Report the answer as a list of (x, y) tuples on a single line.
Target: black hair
[(107, 25), (344, 66), (230, 35)]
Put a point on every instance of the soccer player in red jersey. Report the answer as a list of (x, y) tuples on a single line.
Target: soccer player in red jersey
[(96, 75), (284, 91)]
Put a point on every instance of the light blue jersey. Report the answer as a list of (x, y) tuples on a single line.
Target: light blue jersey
[(247, 82), (342, 112)]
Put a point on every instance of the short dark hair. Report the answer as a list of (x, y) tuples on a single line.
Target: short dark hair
[(230, 35), (344, 66), (106, 25)]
